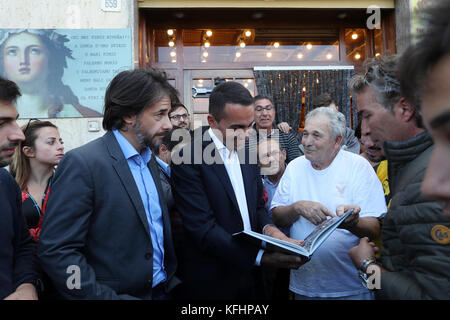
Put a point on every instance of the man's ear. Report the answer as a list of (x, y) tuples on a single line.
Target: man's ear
[(163, 149), (28, 152), (130, 120), (211, 121), (339, 140), (403, 110)]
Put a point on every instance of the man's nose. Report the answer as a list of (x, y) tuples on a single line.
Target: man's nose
[(16, 134)]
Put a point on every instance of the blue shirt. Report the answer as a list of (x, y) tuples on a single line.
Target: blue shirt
[(150, 199), (163, 165)]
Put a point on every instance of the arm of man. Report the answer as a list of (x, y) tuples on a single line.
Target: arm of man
[(360, 227), (315, 212), (65, 228)]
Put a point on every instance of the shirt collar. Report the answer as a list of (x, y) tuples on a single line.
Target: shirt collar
[(163, 165), (129, 151)]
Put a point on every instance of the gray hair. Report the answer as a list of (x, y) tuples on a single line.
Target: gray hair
[(382, 75), (337, 120)]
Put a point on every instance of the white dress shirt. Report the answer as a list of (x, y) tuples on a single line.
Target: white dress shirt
[(233, 167)]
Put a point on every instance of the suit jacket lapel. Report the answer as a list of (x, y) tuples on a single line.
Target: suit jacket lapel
[(123, 171)]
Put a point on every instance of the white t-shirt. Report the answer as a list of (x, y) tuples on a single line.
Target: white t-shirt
[(350, 179)]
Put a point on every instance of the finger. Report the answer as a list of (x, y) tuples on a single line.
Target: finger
[(340, 210), (327, 212)]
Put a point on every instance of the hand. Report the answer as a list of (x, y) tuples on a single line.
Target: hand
[(284, 127), (281, 260), (352, 220), (25, 291), (365, 250), (274, 232), (314, 212)]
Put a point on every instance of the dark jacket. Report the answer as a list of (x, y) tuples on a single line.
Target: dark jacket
[(419, 262), (18, 261), (220, 267), (96, 221)]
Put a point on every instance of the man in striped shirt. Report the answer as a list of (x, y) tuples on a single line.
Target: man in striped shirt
[(265, 128)]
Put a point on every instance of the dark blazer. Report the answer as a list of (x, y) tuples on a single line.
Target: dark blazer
[(219, 267), (18, 260), (95, 220)]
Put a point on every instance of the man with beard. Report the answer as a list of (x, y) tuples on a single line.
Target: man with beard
[(106, 233), (18, 264)]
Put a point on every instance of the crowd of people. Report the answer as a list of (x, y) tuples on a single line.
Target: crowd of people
[(148, 211)]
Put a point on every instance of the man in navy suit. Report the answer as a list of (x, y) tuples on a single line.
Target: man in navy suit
[(218, 192), (106, 233), (19, 271)]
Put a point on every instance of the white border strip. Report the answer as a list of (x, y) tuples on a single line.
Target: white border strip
[(304, 68)]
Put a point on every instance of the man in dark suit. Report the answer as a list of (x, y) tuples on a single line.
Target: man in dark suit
[(218, 193), (106, 233), (19, 271)]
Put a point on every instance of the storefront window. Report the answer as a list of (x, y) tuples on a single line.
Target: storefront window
[(251, 45), (355, 44)]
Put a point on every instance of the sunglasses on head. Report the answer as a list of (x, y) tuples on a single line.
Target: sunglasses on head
[(28, 123)]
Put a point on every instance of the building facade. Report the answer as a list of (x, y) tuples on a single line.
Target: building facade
[(291, 50)]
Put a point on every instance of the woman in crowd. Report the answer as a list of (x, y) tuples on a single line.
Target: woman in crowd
[(35, 59), (33, 167)]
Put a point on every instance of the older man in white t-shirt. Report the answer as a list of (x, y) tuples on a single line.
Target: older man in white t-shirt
[(325, 180)]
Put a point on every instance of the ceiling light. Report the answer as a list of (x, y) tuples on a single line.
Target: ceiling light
[(207, 44), (354, 36), (170, 32), (209, 33), (238, 54), (248, 33), (357, 56), (242, 44), (276, 44), (300, 56), (205, 54), (173, 53), (309, 46), (269, 54), (171, 43)]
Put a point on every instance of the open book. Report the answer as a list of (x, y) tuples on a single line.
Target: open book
[(312, 241)]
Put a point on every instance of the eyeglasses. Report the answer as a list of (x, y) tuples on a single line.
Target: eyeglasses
[(267, 108), (178, 117), (28, 124)]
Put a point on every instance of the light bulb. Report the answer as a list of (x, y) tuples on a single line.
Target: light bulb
[(276, 44), (207, 44), (205, 54), (242, 44), (209, 33), (248, 33), (171, 43), (354, 36), (329, 56), (357, 56), (173, 53), (269, 54), (238, 54), (170, 32), (300, 56), (309, 46)]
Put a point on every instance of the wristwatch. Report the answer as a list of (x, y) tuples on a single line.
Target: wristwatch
[(362, 272)]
